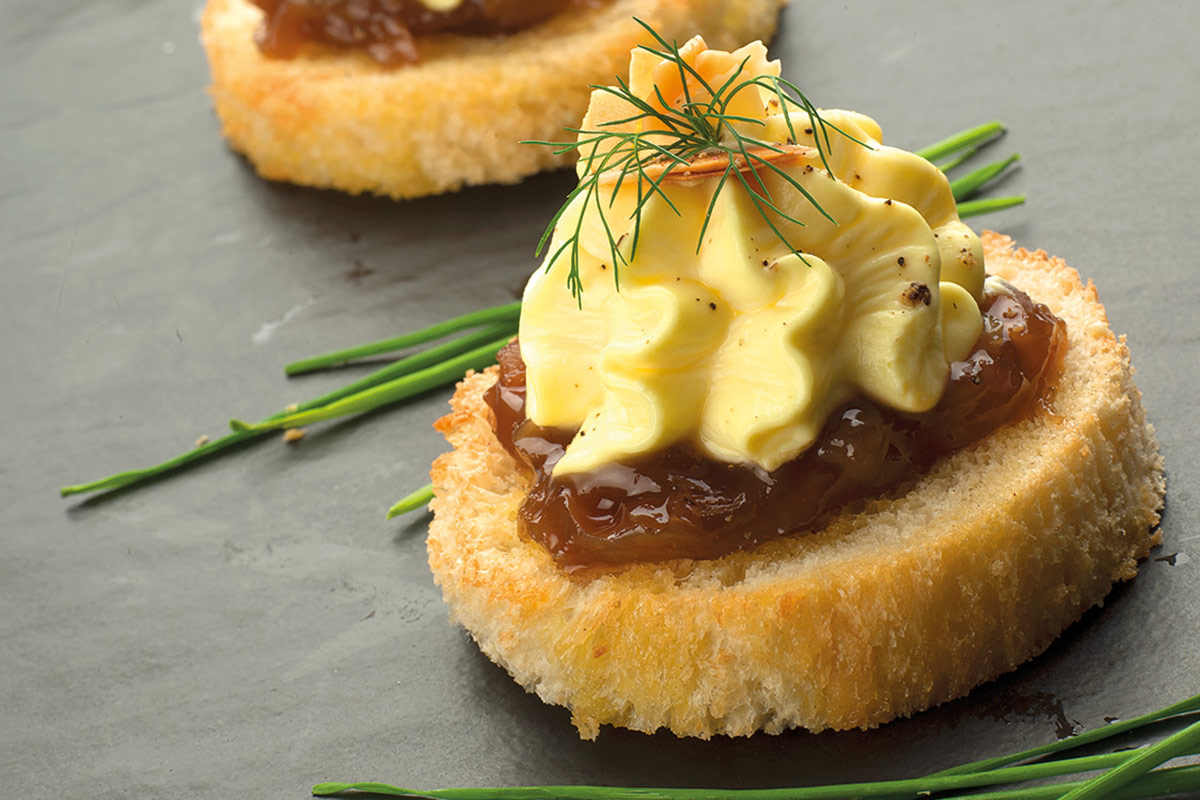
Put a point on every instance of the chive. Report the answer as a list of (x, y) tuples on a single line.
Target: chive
[(1129, 776), (1188, 706), (951, 163), (973, 208), (122, 479), (504, 313), (392, 391), (963, 140), (402, 367), (878, 790), (1175, 780), (1182, 743), (411, 502), (972, 182)]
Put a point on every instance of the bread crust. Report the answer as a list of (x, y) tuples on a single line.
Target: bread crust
[(908, 603), (339, 120)]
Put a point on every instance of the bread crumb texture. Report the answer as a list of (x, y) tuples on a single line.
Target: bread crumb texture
[(338, 120), (904, 604)]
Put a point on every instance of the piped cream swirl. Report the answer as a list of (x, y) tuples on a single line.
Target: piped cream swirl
[(740, 347)]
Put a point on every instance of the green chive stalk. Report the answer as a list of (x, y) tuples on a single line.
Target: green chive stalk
[(973, 208), (973, 182), (123, 479), (505, 314), (1182, 743), (1170, 781), (950, 163), (972, 137), (404, 366), (392, 391), (1188, 706), (1125, 775), (412, 501), (1162, 783)]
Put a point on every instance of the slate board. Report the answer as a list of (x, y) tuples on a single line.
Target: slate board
[(252, 626)]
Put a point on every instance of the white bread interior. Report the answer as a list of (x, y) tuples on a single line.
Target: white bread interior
[(907, 603)]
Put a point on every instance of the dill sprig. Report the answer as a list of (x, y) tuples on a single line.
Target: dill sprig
[(672, 136)]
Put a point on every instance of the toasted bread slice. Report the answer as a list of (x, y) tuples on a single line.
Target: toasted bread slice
[(337, 119), (907, 603)]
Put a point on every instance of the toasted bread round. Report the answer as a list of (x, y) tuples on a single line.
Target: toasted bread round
[(337, 119), (907, 603)]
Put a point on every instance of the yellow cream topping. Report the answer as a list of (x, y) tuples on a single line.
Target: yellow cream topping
[(742, 347)]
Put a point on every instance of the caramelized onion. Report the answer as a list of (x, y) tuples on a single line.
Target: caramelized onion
[(677, 503), (385, 29)]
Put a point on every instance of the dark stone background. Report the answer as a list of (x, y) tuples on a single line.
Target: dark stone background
[(253, 626)]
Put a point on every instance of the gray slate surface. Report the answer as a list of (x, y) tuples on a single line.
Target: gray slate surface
[(253, 626)]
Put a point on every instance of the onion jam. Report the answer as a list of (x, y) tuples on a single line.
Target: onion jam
[(676, 503), (385, 29)]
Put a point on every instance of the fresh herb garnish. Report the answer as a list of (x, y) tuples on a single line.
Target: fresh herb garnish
[(407, 385), (504, 316), (1128, 774), (970, 183), (674, 135), (499, 323), (418, 498), (973, 208), (495, 326), (968, 140)]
